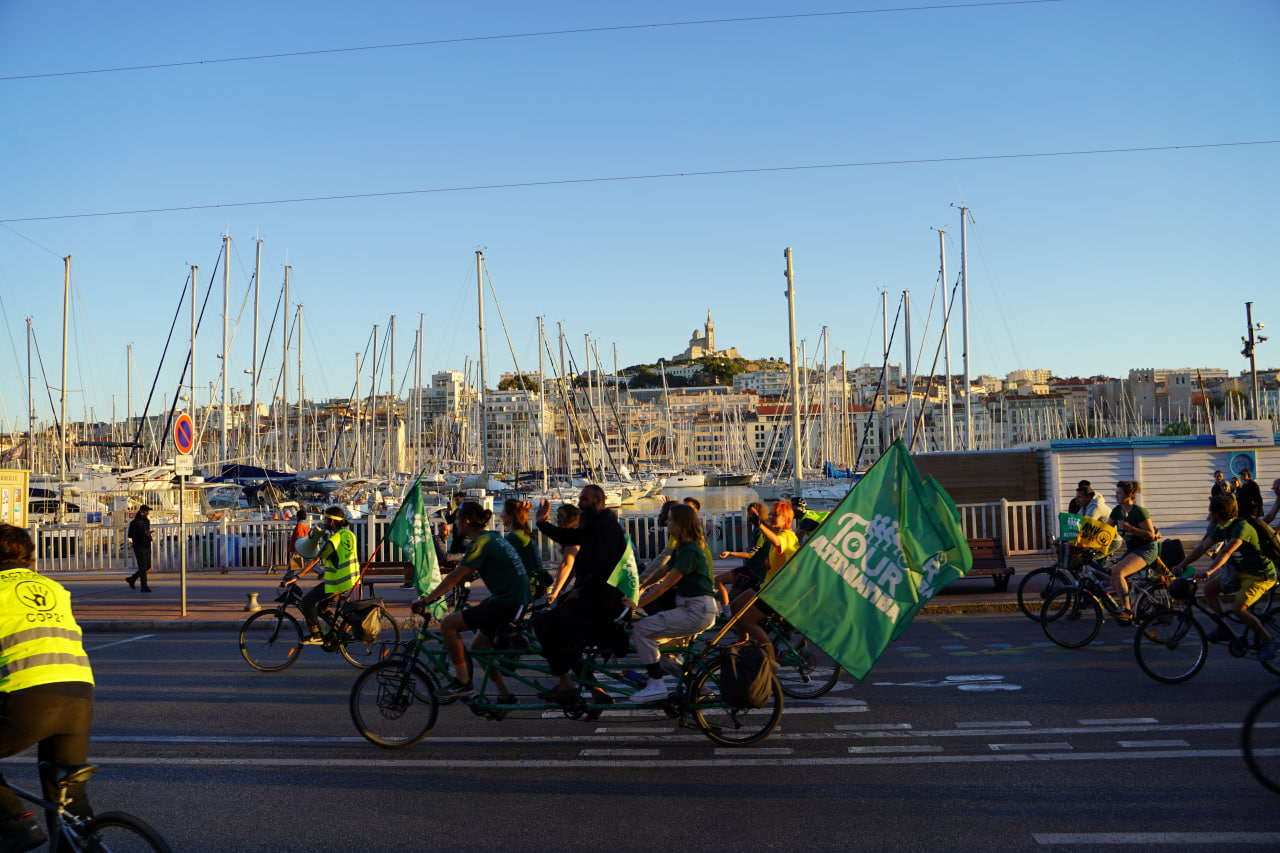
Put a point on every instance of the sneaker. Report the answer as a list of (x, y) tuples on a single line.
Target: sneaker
[(1220, 634), (313, 640), (654, 691), (19, 834), (131, 581), (146, 589), (1267, 650), (456, 690)]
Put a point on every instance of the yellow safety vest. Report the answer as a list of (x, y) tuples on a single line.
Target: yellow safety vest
[(39, 638), (341, 565)]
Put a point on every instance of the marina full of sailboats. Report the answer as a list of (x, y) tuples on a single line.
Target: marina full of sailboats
[(263, 448)]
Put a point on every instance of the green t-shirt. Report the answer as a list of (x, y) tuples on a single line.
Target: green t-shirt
[(1248, 559), (691, 561), (500, 568), (529, 557), (1135, 516)]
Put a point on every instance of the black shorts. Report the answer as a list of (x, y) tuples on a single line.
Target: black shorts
[(745, 578), (489, 615)]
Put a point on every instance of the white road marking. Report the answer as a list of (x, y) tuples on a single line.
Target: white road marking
[(1004, 725), (866, 727), (1089, 838), (1150, 744), (1024, 747), (619, 753), (949, 681), (120, 642), (1118, 721), (891, 750), (753, 750)]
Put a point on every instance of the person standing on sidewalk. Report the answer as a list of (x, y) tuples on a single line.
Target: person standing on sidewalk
[(140, 536), (300, 531), (46, 684)]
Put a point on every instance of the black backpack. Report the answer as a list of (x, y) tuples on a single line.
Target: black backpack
[(1268, 541), (746, 675)]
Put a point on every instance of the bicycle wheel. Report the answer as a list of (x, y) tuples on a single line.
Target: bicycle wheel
[(804, 670), (1071, 618), (1148, 598), (270, 641), (117, 832), (393, 703), (1271, 621), (365, 654), (1261, 740), (723, 724), (1037, 586), (1170, 646)]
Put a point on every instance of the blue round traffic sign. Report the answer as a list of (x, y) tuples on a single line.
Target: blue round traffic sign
[(184, 434)]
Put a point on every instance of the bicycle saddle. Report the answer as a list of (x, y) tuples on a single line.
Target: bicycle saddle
[(62, 775)]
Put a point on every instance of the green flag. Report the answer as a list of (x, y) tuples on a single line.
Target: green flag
[(410, 531), (877, 558), (625, 576)]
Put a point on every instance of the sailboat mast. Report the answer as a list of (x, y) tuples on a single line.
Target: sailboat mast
[(909, 380), (302, 417), (964, 289), (62, 427), (542, 399), (226, 309), (946, 339), (31, 405), (283, 451), (484, 420), (826, 398), (796, 471), (359, 425), (373, 407), (393, 456), (191, 389), (253, 363)]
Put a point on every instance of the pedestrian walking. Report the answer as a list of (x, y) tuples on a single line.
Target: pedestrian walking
[(140, 536)]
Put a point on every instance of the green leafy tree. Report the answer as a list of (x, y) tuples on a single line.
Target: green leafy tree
[(513, 382), (1177, 428)]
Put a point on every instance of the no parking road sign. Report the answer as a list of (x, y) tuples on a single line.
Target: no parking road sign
[(184, 434)]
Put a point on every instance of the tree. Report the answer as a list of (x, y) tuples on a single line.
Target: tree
[(1177, 428), (513, 382)]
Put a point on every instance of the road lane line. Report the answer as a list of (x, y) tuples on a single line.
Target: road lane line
[(891, 750), (1014, 747), (1150, 744), (120, 642), (754, 750), (618, 753), (866, 727), (1089, 838), (1118, 721), (1002, 725)]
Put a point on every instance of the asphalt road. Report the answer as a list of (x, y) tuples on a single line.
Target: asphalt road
[(972, 733)]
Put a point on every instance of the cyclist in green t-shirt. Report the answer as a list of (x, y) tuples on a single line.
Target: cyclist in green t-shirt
[(503, 574), (1249, 575)]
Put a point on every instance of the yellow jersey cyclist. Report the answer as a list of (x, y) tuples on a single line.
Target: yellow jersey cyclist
[(503, 574), (1248, 574), (46, 684), (339, 564)]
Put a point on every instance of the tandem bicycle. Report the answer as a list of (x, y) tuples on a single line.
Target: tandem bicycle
[(393, 703)]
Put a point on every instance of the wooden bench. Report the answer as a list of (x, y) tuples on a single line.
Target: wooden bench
[(376, 573), (989, 560)]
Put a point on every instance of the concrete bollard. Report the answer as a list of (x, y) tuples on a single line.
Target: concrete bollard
[(253, 604)]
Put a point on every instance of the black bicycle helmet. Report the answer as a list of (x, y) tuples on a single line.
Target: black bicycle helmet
[(1182, 589)]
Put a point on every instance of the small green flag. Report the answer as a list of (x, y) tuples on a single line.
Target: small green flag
[(410, 531), (625, 576), (857, 582)]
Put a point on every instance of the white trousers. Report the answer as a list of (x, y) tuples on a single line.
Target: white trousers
[(690, 617)]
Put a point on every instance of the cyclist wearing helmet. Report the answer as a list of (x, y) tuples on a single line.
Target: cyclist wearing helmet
[(339, 565)]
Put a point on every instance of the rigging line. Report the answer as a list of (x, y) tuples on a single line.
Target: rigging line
[(928, 321), (933, 371), (33, 242), (646, 177), (168, 426), (146, 407), (48, 391), (881, 383), (999, 303), (508, 36), (542, 441)]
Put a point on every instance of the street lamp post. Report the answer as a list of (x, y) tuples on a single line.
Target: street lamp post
[(1249, 343)]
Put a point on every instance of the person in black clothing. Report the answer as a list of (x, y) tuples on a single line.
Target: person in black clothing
[(1249, 496), (140, 536), (1220, 485), (587, 614)]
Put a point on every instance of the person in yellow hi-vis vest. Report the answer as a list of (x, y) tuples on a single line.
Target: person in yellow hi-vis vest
[(46, 684), (339, 565)]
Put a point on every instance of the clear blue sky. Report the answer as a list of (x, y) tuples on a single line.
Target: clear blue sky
[(1079, 264)]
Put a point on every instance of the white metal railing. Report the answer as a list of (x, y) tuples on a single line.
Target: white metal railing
[(1024, 526)]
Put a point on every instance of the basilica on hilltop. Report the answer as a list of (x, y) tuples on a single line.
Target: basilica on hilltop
[(703, 343)]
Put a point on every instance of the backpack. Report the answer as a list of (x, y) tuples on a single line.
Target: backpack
[(1268, 541), (746, 675)]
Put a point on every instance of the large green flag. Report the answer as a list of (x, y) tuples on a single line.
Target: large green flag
[(862, 576), (625, 575), (410, 531)]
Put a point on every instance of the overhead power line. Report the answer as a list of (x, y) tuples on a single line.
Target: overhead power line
[(578, 31), (651, 177)]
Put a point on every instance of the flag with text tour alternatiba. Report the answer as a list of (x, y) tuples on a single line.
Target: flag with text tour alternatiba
[(857, 582), (410, 531)]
